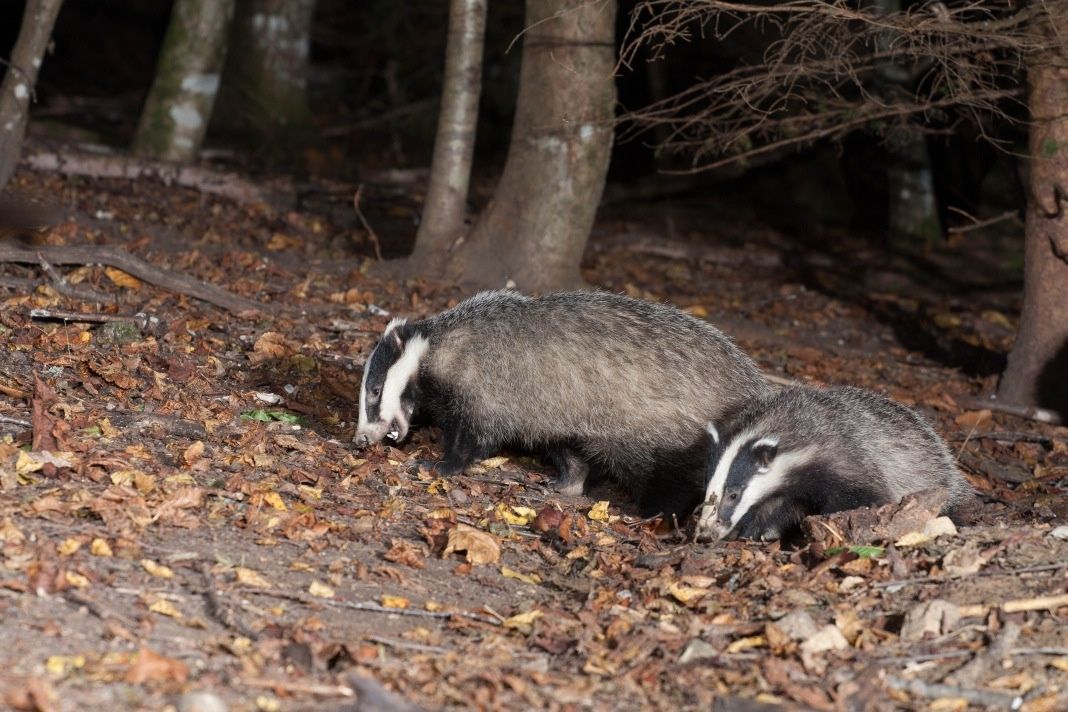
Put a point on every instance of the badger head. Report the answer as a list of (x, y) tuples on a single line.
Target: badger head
[(749, 489), (387, 396)]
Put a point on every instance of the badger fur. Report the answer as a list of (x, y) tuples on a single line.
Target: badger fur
[(587, 378), (805, 451)]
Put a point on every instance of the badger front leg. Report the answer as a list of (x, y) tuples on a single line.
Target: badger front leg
[(462, 447)]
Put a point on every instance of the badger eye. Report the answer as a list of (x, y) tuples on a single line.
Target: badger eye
[(732, 497), (376, 392)]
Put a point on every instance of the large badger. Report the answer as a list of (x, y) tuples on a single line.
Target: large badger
[(805, 451), (586, 378)]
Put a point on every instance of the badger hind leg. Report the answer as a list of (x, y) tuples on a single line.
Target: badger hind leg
[(572, 470)]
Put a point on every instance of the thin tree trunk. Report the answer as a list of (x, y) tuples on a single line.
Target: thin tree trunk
[(1037, 372), (265, 86), (38, 17), (535, 230), (446, 197), (176, 112)]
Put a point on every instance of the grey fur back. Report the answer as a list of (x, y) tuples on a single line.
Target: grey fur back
[(861, 434), (623, 376)]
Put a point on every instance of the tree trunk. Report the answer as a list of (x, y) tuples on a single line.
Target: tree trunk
[(446, 196), (176, 113), (1037, 372), (535, 230), (265, 86), (38, 17)]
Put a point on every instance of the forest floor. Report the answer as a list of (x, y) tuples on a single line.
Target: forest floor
[(182, 511)]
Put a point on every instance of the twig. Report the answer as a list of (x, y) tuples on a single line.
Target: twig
[(406, 645), (114, 257), (1040, 603), (1039, 651), (909, 659), (371, 234), (170, 424), (218, 610), (298, 687), (373, 607), (979, 224), (61, 285), (140, 320), (1008, 437), (15, 421), (945, 579), (1042, 415), (981, 698)]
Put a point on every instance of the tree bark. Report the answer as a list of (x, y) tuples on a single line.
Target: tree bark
[(1037, 372), (179, 105), (38, 17), (265, 86), (450, 174), (535, 230)]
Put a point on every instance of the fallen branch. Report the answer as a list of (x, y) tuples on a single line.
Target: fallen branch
[(371, 234), (298, 687), (121, 259), (1007, 437), (8, 420), (373, 607), (1042, 415), (935, 690), (1019, 605), (170, 424), (205, 180), (61, 285), (140, 320)]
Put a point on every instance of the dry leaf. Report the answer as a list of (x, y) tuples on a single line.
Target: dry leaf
[(389, 601), (165, 608), (532, 579), (320, 590), (599, 511), (685, 594), (973, 419), (100, 547), (516, 516), (250, 577), (151, 666), (68, 546), (122, 279), (522, 621), (193, 452), (481, 547), (157, 569)]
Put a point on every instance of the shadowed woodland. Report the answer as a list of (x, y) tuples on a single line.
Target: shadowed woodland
[(210, 211)]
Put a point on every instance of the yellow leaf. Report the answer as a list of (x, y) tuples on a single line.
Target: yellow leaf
[(250, 577), (157, 569), (122, 279), (275, 500), (522, 621), (76, 580), (756, 641), (433, 606), (394, 601), (320, 590), (493, 462), (25, 464), (697, 310), (516, 516), (123, 477), (165, 608), (107, 429), (100, 547), (68, 546), (182, 478), (63, 664), (912, 539), (1059, 663), (311, 492), (532, 579), (443, 513), (268, 704), (481, 547), (599, 511), (685, 594)]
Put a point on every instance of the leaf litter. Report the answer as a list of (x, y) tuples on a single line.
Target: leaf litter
[(186, 514)]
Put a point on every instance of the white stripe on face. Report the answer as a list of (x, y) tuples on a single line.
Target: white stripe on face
[(398, 377), (768, 481), (718, 483), (393, 324)]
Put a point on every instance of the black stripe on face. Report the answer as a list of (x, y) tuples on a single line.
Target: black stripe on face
[(386, 353), (744, 467)]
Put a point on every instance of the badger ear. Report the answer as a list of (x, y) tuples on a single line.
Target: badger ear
[(713, 433), (764, 451)]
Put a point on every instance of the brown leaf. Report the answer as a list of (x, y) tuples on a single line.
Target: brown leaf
[(405, 552), (193, 452), (973, 419), (43, 423), (481, 547), (151, 666)]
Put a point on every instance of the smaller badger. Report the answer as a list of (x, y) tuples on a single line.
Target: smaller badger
[(595, 381), (804, 451)]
